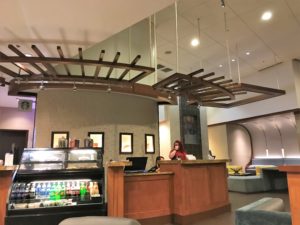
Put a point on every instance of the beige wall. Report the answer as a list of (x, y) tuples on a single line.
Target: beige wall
[(217, 139), (83, 111)]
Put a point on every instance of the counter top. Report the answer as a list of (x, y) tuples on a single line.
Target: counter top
[(119, 163), (290, 168), (147, 174), (193, 162), (8, 168)]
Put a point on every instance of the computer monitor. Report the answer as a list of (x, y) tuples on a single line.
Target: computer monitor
[(138, 164)]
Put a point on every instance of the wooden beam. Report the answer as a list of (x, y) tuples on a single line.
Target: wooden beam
[(114, 61), (20, 66), (19, 53), (61, 54), (87, 62), (134, 61), (223, 82), (138, 77), (81, 58), (8, 72), (196, 72), (49, 67), (97, 70), (216, 79), (206, 75)]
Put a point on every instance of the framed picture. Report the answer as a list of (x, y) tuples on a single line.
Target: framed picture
[(59, 139), (98, 139), (126, 143), (149, 144)]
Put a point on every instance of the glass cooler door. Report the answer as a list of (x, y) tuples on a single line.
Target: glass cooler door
[(42, 159)]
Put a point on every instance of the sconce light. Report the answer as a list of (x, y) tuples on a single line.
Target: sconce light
[(42, 87)]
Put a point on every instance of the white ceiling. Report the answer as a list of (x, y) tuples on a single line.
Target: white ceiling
[(78, 23), (69, 23), (269, 42)]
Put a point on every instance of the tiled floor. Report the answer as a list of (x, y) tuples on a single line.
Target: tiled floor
[(238, 200)]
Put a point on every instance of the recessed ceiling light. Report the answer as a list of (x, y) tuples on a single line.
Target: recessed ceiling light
[(266, 15), (28, 55), (233, 60), (247, 53), (220, 65), (195, 42)]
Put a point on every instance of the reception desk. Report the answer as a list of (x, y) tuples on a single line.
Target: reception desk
[(293, 176), (200, 188), (182, 192), (6, 173)]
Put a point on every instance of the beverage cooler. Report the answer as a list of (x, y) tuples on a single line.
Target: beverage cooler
[(53, 184)]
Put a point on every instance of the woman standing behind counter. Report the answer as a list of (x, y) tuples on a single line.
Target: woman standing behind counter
[(178, 151)]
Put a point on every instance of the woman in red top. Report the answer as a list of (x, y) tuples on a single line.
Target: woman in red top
[(178, 151)]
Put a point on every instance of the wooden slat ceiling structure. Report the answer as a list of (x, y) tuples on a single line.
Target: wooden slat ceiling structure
[(201, 89), (46, 76), (198, 88)]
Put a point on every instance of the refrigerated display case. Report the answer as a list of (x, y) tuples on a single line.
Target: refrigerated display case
[(53, 184)]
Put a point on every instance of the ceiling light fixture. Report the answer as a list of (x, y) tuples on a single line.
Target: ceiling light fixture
[(266, 15), (233, 60), (247, 53), (220, 65), (28, 55), (196, 40)]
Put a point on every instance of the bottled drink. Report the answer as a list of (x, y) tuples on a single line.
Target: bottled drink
[(52, 191), (57, 191), (32, 191), (38, 191), (62, 190)]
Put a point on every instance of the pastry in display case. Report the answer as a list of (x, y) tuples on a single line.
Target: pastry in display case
[(53, 184)]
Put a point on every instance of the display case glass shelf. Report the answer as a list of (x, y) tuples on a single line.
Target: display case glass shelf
[(61, 159)]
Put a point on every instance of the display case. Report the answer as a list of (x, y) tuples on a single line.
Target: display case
[(53, 184)]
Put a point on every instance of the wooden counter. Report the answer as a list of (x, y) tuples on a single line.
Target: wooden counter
[(293, 175), (148, 197), (182, 192), (200, 188), (6, 173)]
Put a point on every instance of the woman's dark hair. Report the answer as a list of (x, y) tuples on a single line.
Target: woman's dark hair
[(181, 148)]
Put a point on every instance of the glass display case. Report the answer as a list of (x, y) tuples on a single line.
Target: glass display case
[(53, 184)]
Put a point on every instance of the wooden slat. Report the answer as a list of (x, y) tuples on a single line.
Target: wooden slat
[(81, 58), (216, 79), (195, 72), (87, 62), (20, 66), (8, 71), (223, 82), (97, 70), (49, 67), (139, 77), (61, 54), (115, 61), (206, 75), (134, 61), (19, 53)]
